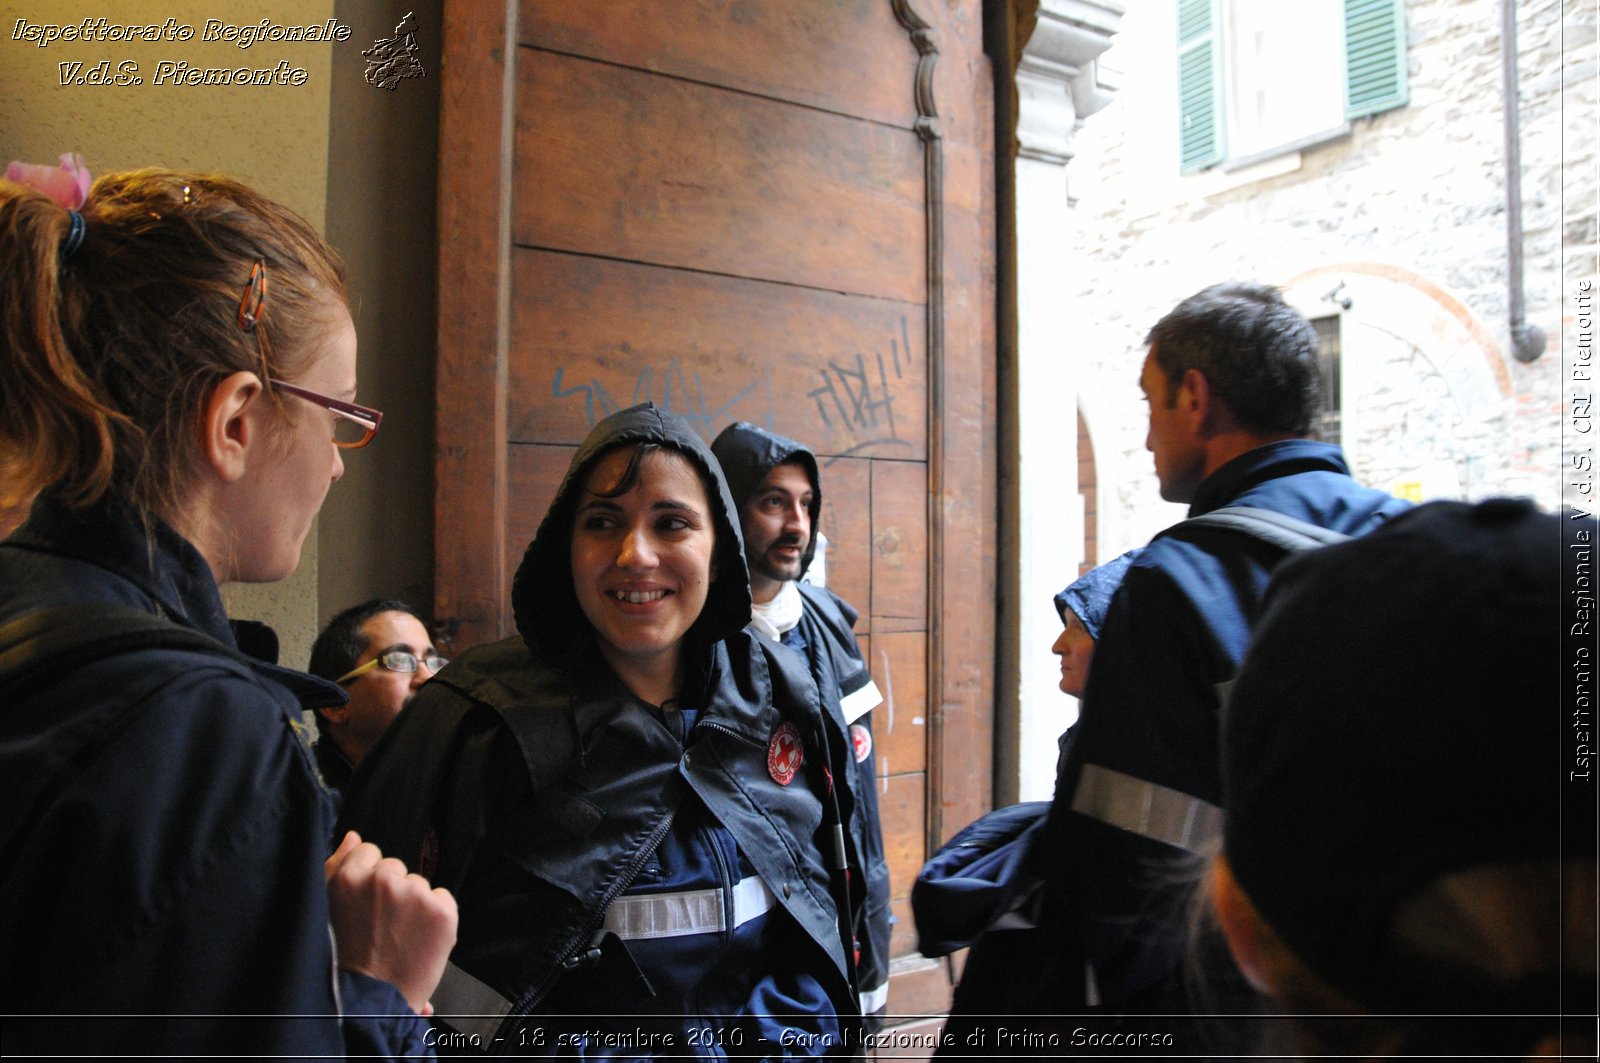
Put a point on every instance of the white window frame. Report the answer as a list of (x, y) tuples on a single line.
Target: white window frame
[(1290, 55)]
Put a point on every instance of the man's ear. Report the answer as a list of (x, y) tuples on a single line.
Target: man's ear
[(1240, 924), (231, 425), (335, 714), (1195, 399)]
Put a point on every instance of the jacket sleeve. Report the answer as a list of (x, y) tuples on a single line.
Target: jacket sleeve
[(832, 621), (378, 1022), (1136, 810), (200, 860), (398, 795)]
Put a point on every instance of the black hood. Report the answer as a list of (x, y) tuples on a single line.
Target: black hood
[(542, 596), (747, 453)]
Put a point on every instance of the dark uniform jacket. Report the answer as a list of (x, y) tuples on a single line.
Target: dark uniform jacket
[(1138, 792), (163, 828), (826, 636), (334, 766), (583, 829)]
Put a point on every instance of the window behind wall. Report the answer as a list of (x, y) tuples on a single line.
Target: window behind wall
[(1258, 77), (1328, 423), (1283, 82)]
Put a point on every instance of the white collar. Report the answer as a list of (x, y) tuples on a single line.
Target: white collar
[(783, 612)]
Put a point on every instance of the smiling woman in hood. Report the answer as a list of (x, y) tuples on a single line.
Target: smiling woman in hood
[(545, 596), (630, 794)]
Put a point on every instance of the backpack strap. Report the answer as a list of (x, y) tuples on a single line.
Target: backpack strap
[(61, 638), (1287, 533)]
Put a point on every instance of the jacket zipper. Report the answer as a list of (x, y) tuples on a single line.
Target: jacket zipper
[(709, 834), (575, 946), (712, 725)]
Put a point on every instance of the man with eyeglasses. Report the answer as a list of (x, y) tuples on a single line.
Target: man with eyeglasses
[(380, 652)]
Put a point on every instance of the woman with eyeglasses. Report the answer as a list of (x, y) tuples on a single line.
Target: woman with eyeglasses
[(176, 388), (631, 795)]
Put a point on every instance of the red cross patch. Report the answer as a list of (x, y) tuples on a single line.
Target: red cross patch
[(860, 742), (785, 753)]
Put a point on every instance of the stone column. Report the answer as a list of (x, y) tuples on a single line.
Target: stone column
[(1057, 87)]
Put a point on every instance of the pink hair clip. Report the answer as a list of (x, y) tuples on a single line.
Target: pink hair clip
[(67, 184)]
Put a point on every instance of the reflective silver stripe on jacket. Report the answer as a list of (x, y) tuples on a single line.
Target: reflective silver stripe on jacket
[(860, 701), (1157, 812), (665, 915), (469, 1005), (875, 999)]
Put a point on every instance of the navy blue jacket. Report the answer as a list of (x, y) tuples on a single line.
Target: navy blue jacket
[(1147, 737), (825, 635), (659, 879), (163, 828), (332, 764), (1138, 789), (541, 798)]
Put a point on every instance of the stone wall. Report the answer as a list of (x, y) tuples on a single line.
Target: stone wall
[(1407, 211)]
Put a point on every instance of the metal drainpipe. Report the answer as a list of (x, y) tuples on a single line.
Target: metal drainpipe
[(1527, 341)]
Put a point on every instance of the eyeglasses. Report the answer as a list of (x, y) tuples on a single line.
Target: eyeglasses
[(353, 426), (397, 661)]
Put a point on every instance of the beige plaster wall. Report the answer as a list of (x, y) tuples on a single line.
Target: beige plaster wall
[(274, 137), (376, 531)]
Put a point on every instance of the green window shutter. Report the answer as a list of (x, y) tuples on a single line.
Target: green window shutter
[(1374, 56), (1200, 141)]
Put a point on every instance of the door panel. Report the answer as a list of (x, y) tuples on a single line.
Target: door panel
[(589, 336), (774, 48), (848, 525), (710, 179), (900, 540), (900, 725), (900, 807)]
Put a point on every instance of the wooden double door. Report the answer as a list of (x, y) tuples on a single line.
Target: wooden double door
[(777, 211)]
